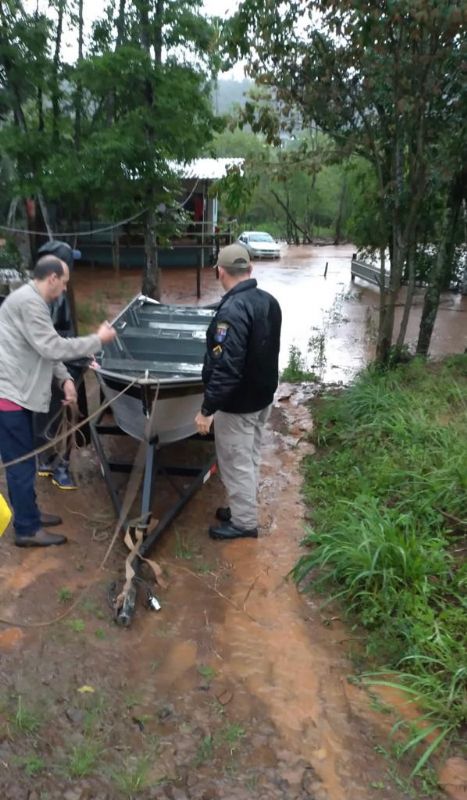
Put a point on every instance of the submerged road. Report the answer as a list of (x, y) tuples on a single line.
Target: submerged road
[(332, 321)]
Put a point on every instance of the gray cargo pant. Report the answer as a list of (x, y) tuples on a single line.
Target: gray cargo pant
[(238, 449)]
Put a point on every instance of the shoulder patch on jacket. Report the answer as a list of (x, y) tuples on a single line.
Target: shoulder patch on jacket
[(221, 332)]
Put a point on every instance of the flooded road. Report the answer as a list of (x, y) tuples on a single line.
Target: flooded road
[(332, 321)]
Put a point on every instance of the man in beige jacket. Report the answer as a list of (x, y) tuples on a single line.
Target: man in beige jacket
[(31, 356)]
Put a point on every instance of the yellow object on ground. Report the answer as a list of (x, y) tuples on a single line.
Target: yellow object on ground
[(5, 515)]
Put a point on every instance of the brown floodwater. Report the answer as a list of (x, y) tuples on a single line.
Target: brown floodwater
[(332, 321)]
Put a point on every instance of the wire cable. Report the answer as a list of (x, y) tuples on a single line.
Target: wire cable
[(74, 233)]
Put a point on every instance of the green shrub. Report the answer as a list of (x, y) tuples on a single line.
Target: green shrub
[(385, 490), (296, 370)]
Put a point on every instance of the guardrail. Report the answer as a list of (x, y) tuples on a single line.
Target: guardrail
[(369, 273)]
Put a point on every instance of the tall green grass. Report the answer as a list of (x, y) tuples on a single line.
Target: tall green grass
[(388, 497)]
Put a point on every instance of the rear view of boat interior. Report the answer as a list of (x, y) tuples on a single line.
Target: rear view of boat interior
[(160, 340)]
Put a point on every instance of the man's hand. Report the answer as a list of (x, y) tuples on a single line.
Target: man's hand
[(203, 423), (106, 333), (69, 390)]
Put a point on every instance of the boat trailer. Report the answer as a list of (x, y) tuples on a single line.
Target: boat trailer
[(152, 467)]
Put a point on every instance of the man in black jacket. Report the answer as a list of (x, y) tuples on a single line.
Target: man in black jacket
[(240, 376), (52, 464)]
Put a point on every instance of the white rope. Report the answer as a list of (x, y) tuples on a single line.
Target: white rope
[(182, 205), (78, 234), (74, 233)]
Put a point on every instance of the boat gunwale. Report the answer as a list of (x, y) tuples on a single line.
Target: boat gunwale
[(143, 381)]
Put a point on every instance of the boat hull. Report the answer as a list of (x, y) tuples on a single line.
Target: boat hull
[(157, 358), (173, 418)]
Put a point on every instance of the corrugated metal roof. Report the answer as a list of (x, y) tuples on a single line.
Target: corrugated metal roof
[(205, 169)]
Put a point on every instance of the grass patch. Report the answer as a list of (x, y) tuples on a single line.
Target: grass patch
[(65, 595), (133, 777), (31, 764), (133, 699), (296, 371), (207, 672), (232, 735), (204, 568), (184, 547), (83, 759), (386, 489), (76, 625), (229, 736), (25, 719), (205, 751), (92, 608), (94, 714)]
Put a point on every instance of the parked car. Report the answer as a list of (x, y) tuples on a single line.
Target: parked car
[(260, 244)]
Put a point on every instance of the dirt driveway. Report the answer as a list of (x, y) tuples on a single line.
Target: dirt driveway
[(236, 689)]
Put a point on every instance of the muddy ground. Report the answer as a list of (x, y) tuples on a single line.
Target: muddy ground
[(238, 688)]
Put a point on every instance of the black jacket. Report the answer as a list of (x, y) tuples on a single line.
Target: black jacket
[(241, 368)]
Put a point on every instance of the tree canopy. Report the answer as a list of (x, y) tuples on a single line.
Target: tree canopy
[(100, 132), (386, 81)]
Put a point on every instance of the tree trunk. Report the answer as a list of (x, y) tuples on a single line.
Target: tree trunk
[(408, 300), (55, 76), (11, 216), (397, 250), (22, 241), (158, 25), (458, 196), (386, 320), (389, 297), (340, 213), (437, 276), (40, 110), (145, 35), (288, 222), (120, 23), (151, 275), (79, 86), (294, 225), (148, 29), (45, 215)]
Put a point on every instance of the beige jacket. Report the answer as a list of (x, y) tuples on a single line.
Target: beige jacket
[(31, 351)]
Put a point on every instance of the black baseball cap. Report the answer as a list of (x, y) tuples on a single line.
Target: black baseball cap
[(61, 250)]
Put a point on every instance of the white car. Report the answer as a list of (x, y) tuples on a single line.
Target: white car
[(260, 244)]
